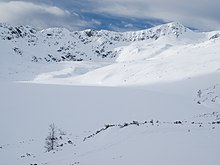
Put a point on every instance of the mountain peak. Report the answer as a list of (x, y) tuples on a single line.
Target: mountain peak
[(175, 28), (175, 23)]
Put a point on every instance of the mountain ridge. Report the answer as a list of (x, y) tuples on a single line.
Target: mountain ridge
[(64, 45), (103, 54)]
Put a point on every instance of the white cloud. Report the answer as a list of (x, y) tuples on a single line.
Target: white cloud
[(203, 14), (129, 25), (19, 12)]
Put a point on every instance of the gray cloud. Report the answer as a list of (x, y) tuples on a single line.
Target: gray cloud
[(201, 14), (39, 15), (19, 12)]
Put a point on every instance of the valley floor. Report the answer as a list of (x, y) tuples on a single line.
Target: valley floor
[(158, 124)]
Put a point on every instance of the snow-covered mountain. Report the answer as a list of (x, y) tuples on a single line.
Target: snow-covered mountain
[(21, 45), (59, 44), (167, 114)]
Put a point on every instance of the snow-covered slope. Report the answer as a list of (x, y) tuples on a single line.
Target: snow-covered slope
[(59, 44), (130, 58), (167, 114), (106, 126)]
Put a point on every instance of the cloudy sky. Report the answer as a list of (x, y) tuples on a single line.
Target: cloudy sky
[(119, 15)]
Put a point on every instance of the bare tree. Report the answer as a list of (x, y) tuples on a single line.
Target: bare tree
[(51, 139)]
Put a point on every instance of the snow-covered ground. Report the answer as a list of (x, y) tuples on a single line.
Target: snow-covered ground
[(153, 99), (28, 109)]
